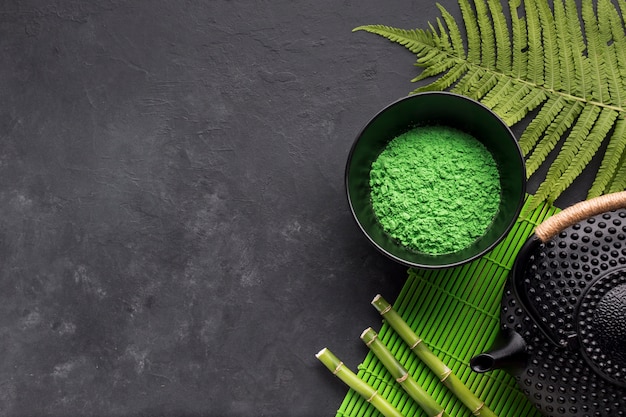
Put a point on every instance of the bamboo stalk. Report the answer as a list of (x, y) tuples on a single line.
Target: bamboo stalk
[(423, 352), (353, 381), (401, 375)]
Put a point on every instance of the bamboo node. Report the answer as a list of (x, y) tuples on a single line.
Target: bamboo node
[(446, 373), (375, 393), (385, 310), (417, 342), (402, 378), (477, 411), (339, 365), (369, 342)]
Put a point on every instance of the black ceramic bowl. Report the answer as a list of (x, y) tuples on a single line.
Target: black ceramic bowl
[(443, 109)]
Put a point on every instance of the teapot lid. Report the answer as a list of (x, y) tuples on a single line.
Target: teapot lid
[(602, 326)]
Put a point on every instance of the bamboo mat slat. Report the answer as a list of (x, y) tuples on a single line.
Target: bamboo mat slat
[(457, 313)]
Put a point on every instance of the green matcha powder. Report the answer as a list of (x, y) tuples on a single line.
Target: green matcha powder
[(435, 189)]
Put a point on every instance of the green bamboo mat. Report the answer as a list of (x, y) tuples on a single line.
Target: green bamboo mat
[(457, 313)]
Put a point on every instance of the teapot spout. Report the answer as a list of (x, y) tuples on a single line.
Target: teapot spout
[(508, 352)]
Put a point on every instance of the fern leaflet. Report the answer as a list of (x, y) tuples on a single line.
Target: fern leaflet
[(584, 154), (610, 164)]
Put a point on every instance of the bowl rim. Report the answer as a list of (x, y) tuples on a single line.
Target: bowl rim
[(489, 247)]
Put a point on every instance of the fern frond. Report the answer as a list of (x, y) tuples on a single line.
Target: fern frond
[(520, 41), (552, 71), (610, 162), (445, 81), (435, 69), (484, 85), (440, 37), (616, 55), (535, 48), (579, 132), (469, 81), (619, 182), (518, 107), (487, 37), (553, 134), (612, 77), (453, 30), (566, 59), (578, 47), (582, 158), (539, 124), (501, 91), (595, 54), (471, 30), (502, 38), (518, 92), (415, 40), (622, 9), (428, 57), (572, 143)]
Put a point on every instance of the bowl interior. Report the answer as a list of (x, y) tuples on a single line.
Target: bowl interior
[(445, 109)]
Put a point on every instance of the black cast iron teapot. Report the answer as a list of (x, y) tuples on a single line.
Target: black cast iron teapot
[(563, 316)]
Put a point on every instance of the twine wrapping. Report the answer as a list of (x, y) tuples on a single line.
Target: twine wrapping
[(578, 212)]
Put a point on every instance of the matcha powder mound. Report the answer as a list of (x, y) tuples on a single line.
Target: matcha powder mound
[(435, 189)]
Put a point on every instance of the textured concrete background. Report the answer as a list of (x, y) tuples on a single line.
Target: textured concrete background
[(174, 235)]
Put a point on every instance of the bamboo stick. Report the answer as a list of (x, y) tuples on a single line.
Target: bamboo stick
[(401, 375), (423, 352), (353, 381)]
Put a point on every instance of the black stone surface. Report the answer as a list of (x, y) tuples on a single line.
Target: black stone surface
[(174, 235)]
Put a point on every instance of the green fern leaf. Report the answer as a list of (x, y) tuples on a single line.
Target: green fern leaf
[(552, 136), (566, 59), (607, 13), (570, 64), (456, 38), (488, 81), (501, 91), (428, 58), (611, 161), (487, 36), (617, 51), (539, 124), (571, 146), (595, 54), (415, 40), (582, 158), (472, 31), (469, 81), (579, 132), (520, 41), (619, 182), (503, 41), (552, 74), (535, 47), (434, 69), (581, 63), (446, 80), (520, 104), (440, 38)]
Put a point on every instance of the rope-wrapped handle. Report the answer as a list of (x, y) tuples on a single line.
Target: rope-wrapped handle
[(578, 212)]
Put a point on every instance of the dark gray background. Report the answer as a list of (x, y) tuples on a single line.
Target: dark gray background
[(174, 235)]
